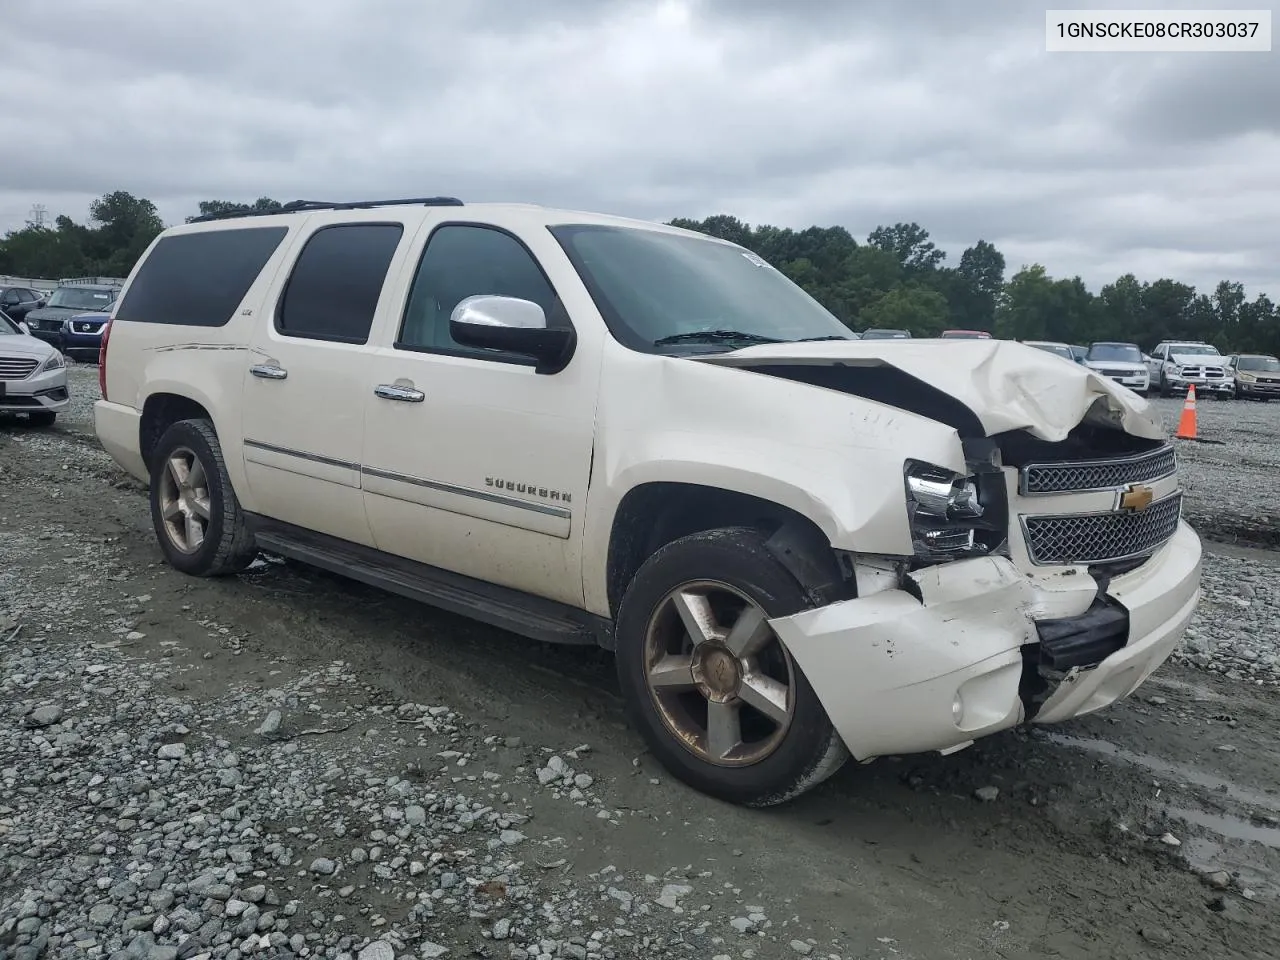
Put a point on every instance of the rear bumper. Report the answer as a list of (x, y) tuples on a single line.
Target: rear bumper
[(903, 674), (43, 392), (118, 429)]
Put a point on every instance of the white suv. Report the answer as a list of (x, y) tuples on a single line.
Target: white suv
[(594, 430)]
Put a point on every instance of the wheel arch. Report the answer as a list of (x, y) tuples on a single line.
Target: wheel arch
[(653, 514), (161, 410)]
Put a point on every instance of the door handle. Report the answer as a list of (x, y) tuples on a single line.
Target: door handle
[(393, 391), (269, 371)]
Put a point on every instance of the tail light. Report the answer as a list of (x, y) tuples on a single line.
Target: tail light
[(102, 358)]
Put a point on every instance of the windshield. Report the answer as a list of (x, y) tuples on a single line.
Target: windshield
[(1194, 349), (1060, 349), (965, 335), (1124, 352), (1267, 364), (81, 298), (7, 327), (652, 286), (885, 335)]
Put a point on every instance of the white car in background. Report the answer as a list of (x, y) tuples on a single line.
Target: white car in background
[(33, 375), (1176, 365), (1121, 362), (1062, 350)]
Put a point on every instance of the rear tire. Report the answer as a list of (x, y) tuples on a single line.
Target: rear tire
[(197, 518), (727, 711), (42, 418)]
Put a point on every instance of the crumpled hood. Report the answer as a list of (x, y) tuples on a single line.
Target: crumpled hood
[(1006, 385), (24, 346), (1198, 360)]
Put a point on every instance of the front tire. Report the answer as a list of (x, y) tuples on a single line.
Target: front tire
[(717, 697), (197, 518)]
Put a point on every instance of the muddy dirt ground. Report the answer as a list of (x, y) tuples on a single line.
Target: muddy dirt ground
[(1148, 830)]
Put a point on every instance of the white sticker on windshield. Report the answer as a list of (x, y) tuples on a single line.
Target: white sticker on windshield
[(758, 261), (99, 296)]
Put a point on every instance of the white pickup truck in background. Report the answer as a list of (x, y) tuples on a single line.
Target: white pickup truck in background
[(1174, 365)]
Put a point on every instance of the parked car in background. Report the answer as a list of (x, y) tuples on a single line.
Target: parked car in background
[(1079, 352), (880, 334), (33, 375), (421, 396), (82, 335), (964, 335), (1062, 350), (48, 322), (1256, 375), (1174, 365), (17, 302), (1121, 362)]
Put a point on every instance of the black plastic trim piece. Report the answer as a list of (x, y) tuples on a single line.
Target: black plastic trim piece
[(306, 206), (522, 613)]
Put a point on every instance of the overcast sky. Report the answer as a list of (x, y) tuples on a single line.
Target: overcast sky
[(791, 112)]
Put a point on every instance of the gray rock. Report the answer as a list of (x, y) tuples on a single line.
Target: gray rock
[(987, 794), (671, 894), (429, 950), (45, 716), (323, 866), (415, 815), (802, 948), (270, 724), (501, 929), (172, 751), (101, 914), (378, 950)]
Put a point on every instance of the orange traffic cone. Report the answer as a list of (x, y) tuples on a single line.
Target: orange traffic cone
[(1187, 423)]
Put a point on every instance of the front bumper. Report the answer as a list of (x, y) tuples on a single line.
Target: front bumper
[(81, 343), (959, 654), (1202, 385), (41, 392), (1255, 389)]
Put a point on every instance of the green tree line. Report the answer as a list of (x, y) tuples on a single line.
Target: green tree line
[(897, 277)]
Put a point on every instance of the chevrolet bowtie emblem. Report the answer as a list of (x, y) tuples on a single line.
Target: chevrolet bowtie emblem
[(1136, 496)]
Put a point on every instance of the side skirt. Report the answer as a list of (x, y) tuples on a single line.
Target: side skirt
[(535, 617)]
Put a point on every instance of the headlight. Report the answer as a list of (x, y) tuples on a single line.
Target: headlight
[(55, 362), (946, 513), (1246, 377)]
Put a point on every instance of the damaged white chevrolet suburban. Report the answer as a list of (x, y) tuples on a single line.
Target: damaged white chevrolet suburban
[(594, 430)]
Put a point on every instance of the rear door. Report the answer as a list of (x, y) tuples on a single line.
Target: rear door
[(309, 372)]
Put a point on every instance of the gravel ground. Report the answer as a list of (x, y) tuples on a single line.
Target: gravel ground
[(287, 764)]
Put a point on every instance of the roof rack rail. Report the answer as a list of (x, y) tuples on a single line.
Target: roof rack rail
[(302, 206)]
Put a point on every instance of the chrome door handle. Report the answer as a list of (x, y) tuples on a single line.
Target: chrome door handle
[(269, 371), (393, 391)]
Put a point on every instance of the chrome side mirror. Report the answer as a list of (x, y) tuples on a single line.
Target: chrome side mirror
[(512, 325)]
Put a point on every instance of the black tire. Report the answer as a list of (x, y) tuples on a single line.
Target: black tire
[(228, 546), (1164, 387), (42, 418), (809, 752)]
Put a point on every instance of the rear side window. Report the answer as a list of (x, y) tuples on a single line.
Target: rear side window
[(335, 285), (199, 279)]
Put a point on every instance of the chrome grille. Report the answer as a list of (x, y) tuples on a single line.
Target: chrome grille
[(1102, 537), (1079, 475), (16, 368)]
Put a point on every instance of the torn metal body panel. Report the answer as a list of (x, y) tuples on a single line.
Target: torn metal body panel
[(956, 652)]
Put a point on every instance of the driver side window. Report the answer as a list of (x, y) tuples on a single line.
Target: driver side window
[(463, 260)]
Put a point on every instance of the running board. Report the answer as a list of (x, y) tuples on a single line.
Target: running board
[(534, 617)]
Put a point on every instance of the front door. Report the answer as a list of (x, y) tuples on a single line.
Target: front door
[(472, 461), (308, 376)]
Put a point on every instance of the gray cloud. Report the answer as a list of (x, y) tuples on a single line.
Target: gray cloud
[(807, 111)]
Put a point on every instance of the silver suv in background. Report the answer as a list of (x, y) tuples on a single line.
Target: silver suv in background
[(1121, 362)]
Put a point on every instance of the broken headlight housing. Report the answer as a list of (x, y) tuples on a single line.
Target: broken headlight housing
[(952, 515)]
